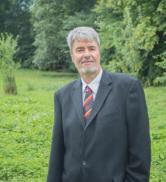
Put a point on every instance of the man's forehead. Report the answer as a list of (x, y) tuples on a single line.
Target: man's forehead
[(79, 42)]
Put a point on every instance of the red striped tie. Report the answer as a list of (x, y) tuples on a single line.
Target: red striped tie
[(88, 103)]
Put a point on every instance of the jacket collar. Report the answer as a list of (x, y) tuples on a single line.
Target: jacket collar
[(104, 88)]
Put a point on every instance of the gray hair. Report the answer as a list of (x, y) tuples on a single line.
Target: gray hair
[(82, 33)]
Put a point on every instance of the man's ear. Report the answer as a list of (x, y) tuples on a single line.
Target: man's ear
[(71, 54)]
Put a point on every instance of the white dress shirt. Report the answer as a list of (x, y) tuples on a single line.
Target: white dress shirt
[(94, 85)]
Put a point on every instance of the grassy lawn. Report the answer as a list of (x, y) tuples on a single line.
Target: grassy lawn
[(26, 122)]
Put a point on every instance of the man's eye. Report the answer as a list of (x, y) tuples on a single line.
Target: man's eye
[(92, 49), (80, 50)]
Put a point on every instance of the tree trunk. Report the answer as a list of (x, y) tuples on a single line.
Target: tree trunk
[(10, 85)]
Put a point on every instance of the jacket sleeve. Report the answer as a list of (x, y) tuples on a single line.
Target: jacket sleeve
[(139, 149), (55, 168)]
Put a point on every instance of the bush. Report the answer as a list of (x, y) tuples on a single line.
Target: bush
[(7, 65)]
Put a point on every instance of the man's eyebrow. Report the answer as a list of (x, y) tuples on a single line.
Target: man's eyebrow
[(80, 47), (91, 46)]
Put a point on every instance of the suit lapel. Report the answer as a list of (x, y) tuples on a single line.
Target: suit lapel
[(104, 89), (76, 95), (77, 100)]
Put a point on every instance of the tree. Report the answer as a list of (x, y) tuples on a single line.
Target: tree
[(16, 19), (4, 7), (73, 6), (134, 31), (7, 65), (47, 22)]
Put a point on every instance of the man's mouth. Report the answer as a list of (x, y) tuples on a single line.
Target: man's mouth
[(87, 62)]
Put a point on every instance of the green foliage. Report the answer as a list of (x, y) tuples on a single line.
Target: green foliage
[(7, 50), (161, 63), (133, 32), (15, 19), (7, 65), (72, 6), (26, 122), (160, 80), (4, 8), (47, 21), (25, 50)]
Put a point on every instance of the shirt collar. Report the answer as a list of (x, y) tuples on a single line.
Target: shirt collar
[(94, 84)]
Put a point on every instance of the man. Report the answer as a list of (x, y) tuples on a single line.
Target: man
[(101, 131)]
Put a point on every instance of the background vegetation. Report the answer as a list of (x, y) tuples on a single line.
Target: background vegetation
[(26, 122), (33, 35), (133, 33), (7, 65)]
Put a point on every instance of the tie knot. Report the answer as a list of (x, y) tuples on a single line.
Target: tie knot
[(88, 90)]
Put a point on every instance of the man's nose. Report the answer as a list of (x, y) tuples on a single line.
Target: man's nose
[(87, 54)]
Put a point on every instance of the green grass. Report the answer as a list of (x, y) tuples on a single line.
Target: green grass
[(156, 101), (26, 122)]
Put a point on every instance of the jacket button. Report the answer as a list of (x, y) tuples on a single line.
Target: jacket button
[(83, 163)]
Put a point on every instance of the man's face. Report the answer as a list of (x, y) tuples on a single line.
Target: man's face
[(86, 56)]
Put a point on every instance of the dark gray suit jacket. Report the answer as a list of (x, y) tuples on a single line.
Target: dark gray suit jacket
[(114, 145)]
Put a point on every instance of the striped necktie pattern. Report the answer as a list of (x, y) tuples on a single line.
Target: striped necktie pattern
[(88, 103)]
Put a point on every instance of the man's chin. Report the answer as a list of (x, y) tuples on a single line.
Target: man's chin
[(88, 70)]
